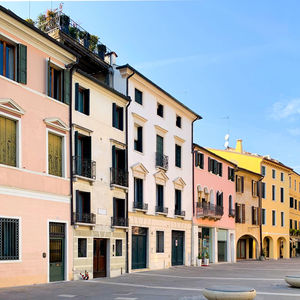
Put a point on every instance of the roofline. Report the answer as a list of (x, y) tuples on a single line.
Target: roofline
[(214, 154), (103, 85), (32, 27), (278, 163), (160, 89), (246, 170)]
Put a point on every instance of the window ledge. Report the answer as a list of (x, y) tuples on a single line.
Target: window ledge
[(119, 227), (91, 180), (77, 224), (139, 209), (161, 213), (116, 186), (10, 261)]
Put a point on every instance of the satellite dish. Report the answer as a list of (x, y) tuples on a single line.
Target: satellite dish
[(226, 144), (226, 137)]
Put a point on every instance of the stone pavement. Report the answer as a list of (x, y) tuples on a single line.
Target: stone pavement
[(182, 283)]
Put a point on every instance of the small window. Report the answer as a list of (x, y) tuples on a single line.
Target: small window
[(138, 97), (82, 247), (263, 190), (159, 241), (296, 223), (273, 217), (281, 194), (282, 219), (138, 191), (273, 174), (117, 116), (296, 202), (282, 176), (118, 247), (138, 139), (263, 170), (55, 82), (82, 99), (177, 156), (273, 193), (178, 121), (239, 184), (9, 239), (230, 174), (55, 155), (291, 224), (199, 160), (160, 110), (160, 195), (291, 202), (263, 216)]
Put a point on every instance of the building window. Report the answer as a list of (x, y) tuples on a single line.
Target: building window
[(291, 202), (231, 174), (138, 139), (117, 112), (199, 160), (119, 213), (282, 219), (82, 99), (160, 195), (82, 246), (239, 184), (282, 176), (178, 121), (295, 204), (290, 182), (9, 239), (8, 141), (263, 216), (55, 155), (138, 96), (219, 198), (263, 190), (273, 192), (55, 83), (254, 188), (138, 190), (291, 224), (177, 202), (159, 241), (177, 156), (281, 194), (295, 186), (215, 167), (295, 222), (83, 208), (273, 217), (263, 170), (160, 110), (118, 247), (273, 174), (240, 213), (254, 215)]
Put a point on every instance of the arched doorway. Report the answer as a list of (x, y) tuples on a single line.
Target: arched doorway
[(268, 247), (281, 247), (247, 247)]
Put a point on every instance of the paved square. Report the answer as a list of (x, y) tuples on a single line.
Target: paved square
[(184, 283)]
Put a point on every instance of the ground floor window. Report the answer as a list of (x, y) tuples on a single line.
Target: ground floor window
[(205, 242), (159, 241), (82, 247), (9, 239), (118, 247), (222, 245)]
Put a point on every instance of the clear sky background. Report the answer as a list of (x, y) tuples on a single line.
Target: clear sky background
[(236, 59)]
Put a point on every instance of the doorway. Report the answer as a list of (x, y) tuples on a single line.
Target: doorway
[(177, 247), (100, 256)]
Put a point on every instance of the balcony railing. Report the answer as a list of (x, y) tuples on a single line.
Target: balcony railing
[(84, 167), (119, 177), (161, 209), (162, 161), (208, 210), (87, 218), (231, 212), (179, 212), (140, 205), (120, 222)]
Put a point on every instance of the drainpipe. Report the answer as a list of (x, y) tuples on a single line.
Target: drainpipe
[(72, 68), (127, 239), (260, 221)]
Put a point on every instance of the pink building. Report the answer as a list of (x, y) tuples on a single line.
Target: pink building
[(35, 232), (214, 202)]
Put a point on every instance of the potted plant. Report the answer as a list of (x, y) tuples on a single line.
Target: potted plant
[(93, 42), (206, 259), (73, 31), (199, 260), (65, 23), (81, 35), (101, 50)]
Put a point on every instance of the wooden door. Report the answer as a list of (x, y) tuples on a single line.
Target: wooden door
[(99, 258), (177, 247), (139, 248)]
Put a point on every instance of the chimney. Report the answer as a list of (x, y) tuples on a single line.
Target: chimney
[(239, 146), (111, 58)]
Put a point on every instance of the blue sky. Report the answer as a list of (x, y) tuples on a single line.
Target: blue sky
[(236, 59)]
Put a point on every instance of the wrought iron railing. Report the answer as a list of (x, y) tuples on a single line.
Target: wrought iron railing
[(119, 177), (231, 212), (84, 167), (179, 212), (88, 218), (204, 209), (116, 221), (161, 209), (140, 205), (162, 161)]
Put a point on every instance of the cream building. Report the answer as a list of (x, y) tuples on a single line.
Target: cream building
[(160, 173)]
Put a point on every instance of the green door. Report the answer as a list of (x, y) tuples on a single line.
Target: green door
[(56, 251), (177, 247), (139, 250)]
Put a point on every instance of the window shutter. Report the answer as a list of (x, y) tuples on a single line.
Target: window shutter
[(236, 183), (253, 217), (236, 213), (76, 95), (252, 187), (87, 102), (196, 159), (258, 189), (209, 167), (201, 160), (22, 64), (48, 77), (78, 208), (229, 173), (114, 114), (220, 169), (114, 161), (140, 138), (121, 118), (66, 86), (242, 181), (243, 213)]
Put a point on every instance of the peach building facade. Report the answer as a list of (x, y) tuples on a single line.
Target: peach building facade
[(35, 236), (213, 231)]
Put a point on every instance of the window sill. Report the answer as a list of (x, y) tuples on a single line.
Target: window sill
[(116, 186), (90, 180), (10, 261), (139, 209), (76, 225), (161, 213), (120, 227)]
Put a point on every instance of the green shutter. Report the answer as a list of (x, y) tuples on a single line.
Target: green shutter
[(66, 86), (114, 114), (76, 95), (87, 102), (48, 77), (22, 64)]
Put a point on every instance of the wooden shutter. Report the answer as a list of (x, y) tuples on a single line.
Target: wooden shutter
[(229, 173), (66, 86), (258, 188), (243, 213), (114, 114), (8, 141), (201, 160), (114, 161), (237, 215), (236, 183), (76, 96), (54, 154), (121, 120), (221, 169), (209, 167), (242, 183), (253, 215), (87, 102), (22, 64), (196, 159), (48, 77)]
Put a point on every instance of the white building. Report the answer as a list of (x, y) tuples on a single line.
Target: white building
[(160, 168)]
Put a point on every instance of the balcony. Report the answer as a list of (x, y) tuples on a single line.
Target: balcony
[(179, 213), (119, 177), (208, 210), (162, 161), (86, 218), (231, 212), (84, 167), (161, 210), (119, 222), (140, 206)]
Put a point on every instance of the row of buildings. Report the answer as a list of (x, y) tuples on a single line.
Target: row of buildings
[(99, 171)]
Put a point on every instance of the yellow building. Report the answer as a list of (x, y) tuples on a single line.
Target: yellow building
[(294, 190), (275, 197), (247, 214)]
